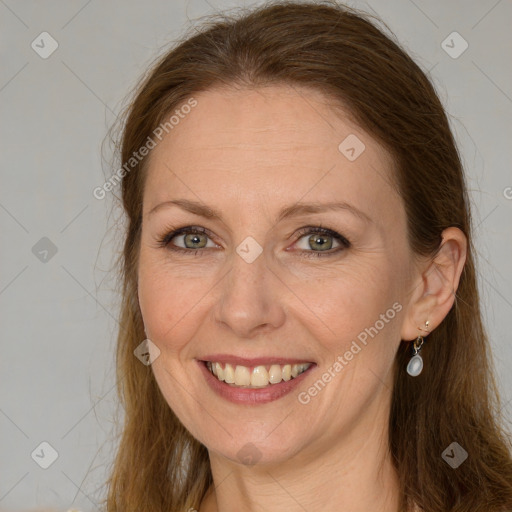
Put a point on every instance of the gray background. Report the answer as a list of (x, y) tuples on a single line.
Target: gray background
[(59, 316)]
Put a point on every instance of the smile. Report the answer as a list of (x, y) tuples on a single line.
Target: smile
[(257, 376)]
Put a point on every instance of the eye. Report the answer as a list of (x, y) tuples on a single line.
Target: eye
[(195, 238), (192, 237), (320, 239)]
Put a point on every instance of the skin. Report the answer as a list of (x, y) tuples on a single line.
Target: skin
[(247, 154)]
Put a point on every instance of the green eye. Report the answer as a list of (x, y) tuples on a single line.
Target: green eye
[(195, 238)]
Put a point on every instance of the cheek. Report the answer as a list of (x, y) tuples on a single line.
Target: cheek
[(356, 305), (168, 301)]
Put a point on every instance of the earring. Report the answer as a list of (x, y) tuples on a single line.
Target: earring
[(415, 365)]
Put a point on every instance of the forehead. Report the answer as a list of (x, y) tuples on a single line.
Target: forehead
[(260, 145)]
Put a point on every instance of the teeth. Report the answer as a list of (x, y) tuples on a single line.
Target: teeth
[(260, 376), (218, 371), (229, 374), (274, 374), (242, 376)]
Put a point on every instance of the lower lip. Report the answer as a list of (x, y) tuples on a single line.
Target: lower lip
[(252, 395)]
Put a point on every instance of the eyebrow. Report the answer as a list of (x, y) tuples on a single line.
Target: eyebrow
[(287, 212)]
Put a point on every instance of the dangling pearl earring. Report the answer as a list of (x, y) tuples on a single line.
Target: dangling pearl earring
[(415, 365)]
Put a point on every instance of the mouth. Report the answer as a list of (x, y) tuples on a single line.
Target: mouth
[(254, 381), (255, 377)]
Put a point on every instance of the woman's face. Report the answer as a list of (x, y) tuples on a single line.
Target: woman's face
[(254, 284)]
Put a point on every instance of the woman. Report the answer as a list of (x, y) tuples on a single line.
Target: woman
[(299, 263)]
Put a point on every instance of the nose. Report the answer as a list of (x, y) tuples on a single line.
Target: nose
[(250, 301)]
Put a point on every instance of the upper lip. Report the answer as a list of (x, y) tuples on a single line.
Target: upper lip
[(251, 362)]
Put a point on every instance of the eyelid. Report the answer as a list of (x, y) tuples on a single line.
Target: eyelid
[(170, 233), (324, 231)]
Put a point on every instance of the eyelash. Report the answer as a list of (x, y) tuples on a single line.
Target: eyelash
[(164, 241)]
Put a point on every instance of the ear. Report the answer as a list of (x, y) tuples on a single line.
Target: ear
[(434, 286)]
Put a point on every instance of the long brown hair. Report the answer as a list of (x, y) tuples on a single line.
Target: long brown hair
[(337, 50)]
